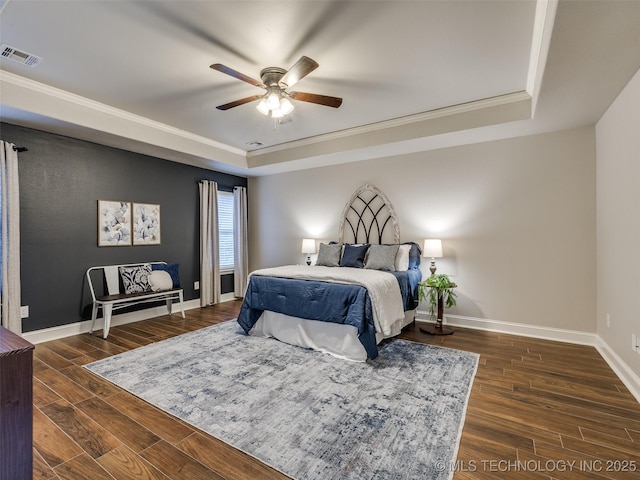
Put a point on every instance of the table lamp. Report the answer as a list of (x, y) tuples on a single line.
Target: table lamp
[(308, 247), (432, 248)]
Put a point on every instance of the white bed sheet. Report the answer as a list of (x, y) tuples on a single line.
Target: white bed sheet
[(333, 338)]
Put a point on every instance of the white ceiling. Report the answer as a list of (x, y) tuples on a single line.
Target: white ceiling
[(414, 75)]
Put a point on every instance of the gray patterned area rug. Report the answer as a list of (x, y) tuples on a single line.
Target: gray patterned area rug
[(305, 413)]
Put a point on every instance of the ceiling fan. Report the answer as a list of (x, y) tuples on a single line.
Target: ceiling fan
[(276, 101)]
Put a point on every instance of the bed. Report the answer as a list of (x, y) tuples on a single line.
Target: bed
[(362, 289)]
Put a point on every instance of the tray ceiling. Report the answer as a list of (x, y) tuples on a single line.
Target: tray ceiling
[(135, 74)]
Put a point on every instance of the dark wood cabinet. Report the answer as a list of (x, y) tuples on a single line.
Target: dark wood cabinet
[(16, 407)]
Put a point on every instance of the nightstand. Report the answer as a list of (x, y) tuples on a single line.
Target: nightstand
[(437, 328)]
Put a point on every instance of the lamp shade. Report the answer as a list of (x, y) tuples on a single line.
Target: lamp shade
[(286, 106), (432, 248), (262, 107), (273, 101), (308, 245)]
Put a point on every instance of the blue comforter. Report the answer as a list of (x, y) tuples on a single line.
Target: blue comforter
[(408, 281), (317, 300)]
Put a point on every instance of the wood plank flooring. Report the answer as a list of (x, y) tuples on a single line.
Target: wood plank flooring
[(538, 410)]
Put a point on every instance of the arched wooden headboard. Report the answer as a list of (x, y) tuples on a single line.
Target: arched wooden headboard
[(369, 217)]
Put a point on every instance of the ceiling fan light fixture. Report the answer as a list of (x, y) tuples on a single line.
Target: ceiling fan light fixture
[(273, 100), (274, 105), (286, 106), (263, 107)]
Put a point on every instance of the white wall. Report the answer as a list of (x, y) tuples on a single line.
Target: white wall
[(517, 220), (618, 223)]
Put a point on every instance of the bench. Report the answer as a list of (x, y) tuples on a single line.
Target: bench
[(116, 299)]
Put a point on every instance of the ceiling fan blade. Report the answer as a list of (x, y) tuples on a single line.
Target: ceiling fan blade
[(300, 69), (334, 102), (235, 74), (236, 103)]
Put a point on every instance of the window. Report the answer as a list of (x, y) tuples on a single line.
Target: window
[(225, 230)]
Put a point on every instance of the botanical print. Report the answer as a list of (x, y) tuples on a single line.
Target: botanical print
[(146, 224), (114, 223)]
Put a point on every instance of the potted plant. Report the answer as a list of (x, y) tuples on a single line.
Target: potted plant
[(437, 290)]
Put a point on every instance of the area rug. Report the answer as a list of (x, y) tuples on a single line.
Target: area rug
[(305, 413)]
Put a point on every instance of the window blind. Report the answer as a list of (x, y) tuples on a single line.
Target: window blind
[(225, 229)]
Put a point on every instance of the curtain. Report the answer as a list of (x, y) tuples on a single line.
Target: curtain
[(209, 247), (240, 246), (10, 238)]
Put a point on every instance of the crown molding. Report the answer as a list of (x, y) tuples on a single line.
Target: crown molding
[(540, 43), (77, 100), (399, 122), (490, 111)]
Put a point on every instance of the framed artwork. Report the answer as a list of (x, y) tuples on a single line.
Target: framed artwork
[(146, 224), (114, 223)]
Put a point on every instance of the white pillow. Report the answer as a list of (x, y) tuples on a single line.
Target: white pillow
[(160, 280), (402, 258)]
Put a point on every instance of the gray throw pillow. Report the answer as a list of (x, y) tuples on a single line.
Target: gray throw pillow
[(329, 255), (382, 257)]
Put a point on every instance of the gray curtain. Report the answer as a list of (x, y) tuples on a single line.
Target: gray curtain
[(240, 246), (10, 238), (209, 246)]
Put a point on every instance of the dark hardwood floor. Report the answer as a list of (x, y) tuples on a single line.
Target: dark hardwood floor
[(538, 410)]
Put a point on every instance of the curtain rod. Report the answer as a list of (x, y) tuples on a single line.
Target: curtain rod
[(20, 149)]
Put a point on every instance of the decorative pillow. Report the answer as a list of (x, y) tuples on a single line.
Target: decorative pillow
[(414, 254), (136, 279), (329, 255), (172, 269), (160, 280), (402, 258), (382, 257), (353, 255)]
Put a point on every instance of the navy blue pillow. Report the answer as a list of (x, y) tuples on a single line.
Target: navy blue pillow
[(353, 255), (171, 269), (414, 255)]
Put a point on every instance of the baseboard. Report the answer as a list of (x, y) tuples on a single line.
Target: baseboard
[(533, 331), (621, 369), (624, 372), (54, 333), (227, 297)]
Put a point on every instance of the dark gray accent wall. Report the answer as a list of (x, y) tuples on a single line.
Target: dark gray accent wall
[(61, 181)]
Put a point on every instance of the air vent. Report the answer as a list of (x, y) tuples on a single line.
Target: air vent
[(19, 56), (255, 143)]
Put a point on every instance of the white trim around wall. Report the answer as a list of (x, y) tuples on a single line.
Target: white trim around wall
[(62, 331), (624, 372), (533, 331)]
